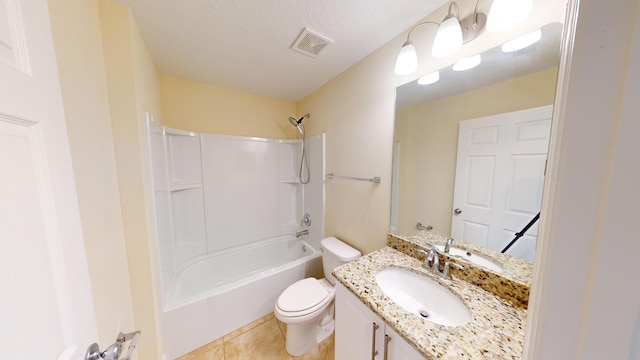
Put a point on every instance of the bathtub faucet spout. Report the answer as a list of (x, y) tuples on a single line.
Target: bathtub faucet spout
[(303, 232)]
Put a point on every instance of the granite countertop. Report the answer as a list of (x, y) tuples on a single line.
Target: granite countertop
[(496, 329), (514, 268), (512, 284)]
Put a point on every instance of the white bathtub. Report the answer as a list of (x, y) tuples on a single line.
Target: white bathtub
[(220, 292)]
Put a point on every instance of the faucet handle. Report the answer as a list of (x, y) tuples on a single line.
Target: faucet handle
[(426, 254), (446, 273), (421, 251)]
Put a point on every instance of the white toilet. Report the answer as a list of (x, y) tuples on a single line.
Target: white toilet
[(307, 305)]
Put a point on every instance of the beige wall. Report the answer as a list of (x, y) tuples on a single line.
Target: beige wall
[(133, 89), (199, 107), (81, 67), (428, 136), (356, 110)]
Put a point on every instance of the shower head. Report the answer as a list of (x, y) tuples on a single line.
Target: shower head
[(297, 123), (294, 122)]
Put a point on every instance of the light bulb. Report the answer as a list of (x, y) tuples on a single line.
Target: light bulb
[(448, 38), (407, 61)]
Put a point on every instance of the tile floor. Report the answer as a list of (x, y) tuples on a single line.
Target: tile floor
[(261, 339)]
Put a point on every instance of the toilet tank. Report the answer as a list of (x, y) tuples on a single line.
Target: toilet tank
[(334, 254)]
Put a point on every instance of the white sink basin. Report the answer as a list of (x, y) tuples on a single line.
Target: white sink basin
[(473, 258), (423, 296)]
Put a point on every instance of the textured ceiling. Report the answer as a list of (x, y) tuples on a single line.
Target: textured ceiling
[(245, 44)]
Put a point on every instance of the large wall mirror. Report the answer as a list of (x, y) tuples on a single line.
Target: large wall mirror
[(470, 149)]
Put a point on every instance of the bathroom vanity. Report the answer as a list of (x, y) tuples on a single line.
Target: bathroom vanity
[(368, 322), (366, 335)]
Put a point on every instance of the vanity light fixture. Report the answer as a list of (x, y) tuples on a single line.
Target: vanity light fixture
[(452, 33), (467, 63), (505, 14), (429, 79), (522, 42)]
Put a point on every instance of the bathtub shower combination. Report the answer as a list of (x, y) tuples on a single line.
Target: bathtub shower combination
[(227, 210)]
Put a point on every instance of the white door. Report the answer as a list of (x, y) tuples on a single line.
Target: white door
[(46, 309), (499, 179)]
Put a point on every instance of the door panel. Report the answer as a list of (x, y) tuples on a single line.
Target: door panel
[(27, 275), (476, 233), (480, 181), (524, 187)]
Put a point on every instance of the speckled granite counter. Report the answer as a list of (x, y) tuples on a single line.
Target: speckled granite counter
[(496, 329), (512, 284)]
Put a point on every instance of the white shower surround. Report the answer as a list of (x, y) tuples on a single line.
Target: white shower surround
[(218, 195)]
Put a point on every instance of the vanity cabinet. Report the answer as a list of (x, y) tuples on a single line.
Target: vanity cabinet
[(361, 334)]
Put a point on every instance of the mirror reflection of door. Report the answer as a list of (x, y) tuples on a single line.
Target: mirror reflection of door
[(499, 179)]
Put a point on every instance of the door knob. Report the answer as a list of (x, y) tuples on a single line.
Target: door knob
[(457, 211), (114, 351)]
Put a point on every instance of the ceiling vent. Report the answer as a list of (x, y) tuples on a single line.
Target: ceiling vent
[(310, 43)]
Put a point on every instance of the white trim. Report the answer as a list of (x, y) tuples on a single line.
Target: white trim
[(544, 246)]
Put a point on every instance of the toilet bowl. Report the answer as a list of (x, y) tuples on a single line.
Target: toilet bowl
[(307, 305)]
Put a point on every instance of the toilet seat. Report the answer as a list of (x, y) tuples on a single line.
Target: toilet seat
[(304, 297)]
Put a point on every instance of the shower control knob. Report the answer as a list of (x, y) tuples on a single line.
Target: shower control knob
[(306, 220), (457, 211)]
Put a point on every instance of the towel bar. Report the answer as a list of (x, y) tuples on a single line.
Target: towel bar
[(375, 179)]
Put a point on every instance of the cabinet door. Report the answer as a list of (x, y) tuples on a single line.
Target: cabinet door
[(398, 348), (356, 335)]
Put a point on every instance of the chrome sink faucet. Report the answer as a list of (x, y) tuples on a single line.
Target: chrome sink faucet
[(432, 262), (447, 245), (431, 259)]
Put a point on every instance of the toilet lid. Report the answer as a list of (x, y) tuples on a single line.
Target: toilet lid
[(302, 295)]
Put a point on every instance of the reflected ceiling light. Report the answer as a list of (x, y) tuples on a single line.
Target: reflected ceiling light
[(429, 78), (407, 61), (505, 14), (467, 63), (452, 33), (522, 42)]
